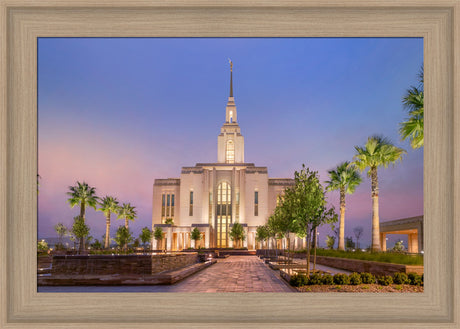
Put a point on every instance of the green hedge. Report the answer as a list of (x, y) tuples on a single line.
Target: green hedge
[(300, 280)]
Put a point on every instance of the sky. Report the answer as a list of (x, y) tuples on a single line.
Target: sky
[(118, 113)]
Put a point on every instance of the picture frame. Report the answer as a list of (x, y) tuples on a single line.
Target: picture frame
[(23, 21)]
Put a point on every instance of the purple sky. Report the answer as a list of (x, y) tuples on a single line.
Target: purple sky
[(118, 113)]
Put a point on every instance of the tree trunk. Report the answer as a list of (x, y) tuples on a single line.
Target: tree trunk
[(375, 211), (127, 227), (342, 220), (107, 231), (82, 216), (314, 256), (308, 251)]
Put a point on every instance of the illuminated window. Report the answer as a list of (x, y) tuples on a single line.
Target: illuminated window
[(256, 203), (230, 154), (231, 116), (163, 206), (190, 209), (167, 206)]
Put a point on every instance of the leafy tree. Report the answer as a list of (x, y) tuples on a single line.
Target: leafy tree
[(358, 231), (158, 234), (330, 241), (195, 235), (169, 221), (262, 233), (61, 231), (42, 246), (378, 152), (412, 128), (145, 236), (97, 244), (83, 195), (80, 230), (237, 233), (108, 205), (349, 244), (344, 178), (136, 243), (309, 206), (123, 237), (399, 246)]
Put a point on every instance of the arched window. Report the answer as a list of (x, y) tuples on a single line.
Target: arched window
[(230, 152)]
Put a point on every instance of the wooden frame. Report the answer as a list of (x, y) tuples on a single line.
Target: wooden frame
[(22, 21)]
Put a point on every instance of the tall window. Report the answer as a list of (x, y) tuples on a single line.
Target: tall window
[(210, 208), (230, 153), (256, 203), (224, 213), (190, 209), (167, 206)]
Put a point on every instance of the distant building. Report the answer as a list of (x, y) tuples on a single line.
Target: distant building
[(213, 196)]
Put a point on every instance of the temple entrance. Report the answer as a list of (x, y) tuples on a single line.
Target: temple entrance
[(224, 213)]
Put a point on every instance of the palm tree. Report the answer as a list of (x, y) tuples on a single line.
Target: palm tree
[(378, 152), (108, 205), (83, 195), (127, 212), (344, 178), (412, 128)]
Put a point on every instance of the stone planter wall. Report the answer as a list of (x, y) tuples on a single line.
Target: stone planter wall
[(120, 264)]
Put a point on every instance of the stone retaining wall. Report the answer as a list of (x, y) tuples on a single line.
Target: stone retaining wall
[(121, 264)]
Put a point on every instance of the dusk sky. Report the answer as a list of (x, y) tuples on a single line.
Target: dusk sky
[(120, 112)]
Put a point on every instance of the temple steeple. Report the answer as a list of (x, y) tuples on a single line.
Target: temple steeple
[(230, 142)]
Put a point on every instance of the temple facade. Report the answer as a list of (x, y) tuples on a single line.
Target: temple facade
[(212, 196)]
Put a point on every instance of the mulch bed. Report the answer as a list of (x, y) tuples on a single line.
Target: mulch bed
[(373, 288)]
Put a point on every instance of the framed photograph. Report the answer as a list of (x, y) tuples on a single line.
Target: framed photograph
[(25, 23)]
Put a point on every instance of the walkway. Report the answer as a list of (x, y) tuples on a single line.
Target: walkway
[(232, 274)]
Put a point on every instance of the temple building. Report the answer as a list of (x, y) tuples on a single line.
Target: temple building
[(212, 196)]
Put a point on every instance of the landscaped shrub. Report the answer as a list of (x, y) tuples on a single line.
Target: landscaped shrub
[(401, 278), (415, 279), (385, 280), (367, 278), (314, 279), (341, 278), (355, 279), (298, 280), (327, 279)]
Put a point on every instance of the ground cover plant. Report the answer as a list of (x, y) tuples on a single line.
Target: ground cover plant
[(385, 257)]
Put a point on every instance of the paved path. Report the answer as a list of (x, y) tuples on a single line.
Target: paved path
[(232, 274)]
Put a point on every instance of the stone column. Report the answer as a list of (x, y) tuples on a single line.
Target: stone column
[(206, 237), (420, 237), (245, 243), (169, 238), (383, 241)]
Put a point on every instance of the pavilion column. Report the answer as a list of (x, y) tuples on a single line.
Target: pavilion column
[(383, 241), (169, 238), (245, 243), (230, 243), (206, 237), (420, 237)]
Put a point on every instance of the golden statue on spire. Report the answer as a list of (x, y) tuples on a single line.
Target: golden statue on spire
[(231, 64)]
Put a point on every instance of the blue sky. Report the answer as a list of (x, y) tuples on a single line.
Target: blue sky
[(120, 112)]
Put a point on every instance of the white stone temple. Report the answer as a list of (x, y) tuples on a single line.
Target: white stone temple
[(213, 196)]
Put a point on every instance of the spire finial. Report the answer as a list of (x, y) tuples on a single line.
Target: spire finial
[(231, 77)]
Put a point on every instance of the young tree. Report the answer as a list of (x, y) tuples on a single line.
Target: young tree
[(195, 236), (412, 128), (145, 236), (108, 205), (237, 233), (262, 234), (399, 246), (83, 195), (358, 231), (80, 230), (61, 231), (97, 244), (309, 205), (158, 235), (42, 246), (378, 152), (344, 178), (330, 241), (349, 244), (123, 237)]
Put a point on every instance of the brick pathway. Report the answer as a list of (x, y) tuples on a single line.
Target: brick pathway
[(232, 274)]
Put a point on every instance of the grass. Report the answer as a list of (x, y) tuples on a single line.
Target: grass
[(385, 257)]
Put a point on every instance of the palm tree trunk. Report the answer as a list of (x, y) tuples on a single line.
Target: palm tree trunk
[(82, 216), (375, 211), (342, 220), (127, 226), (107, 232)]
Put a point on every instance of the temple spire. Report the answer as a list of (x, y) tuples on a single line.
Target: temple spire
[(231, 77)]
